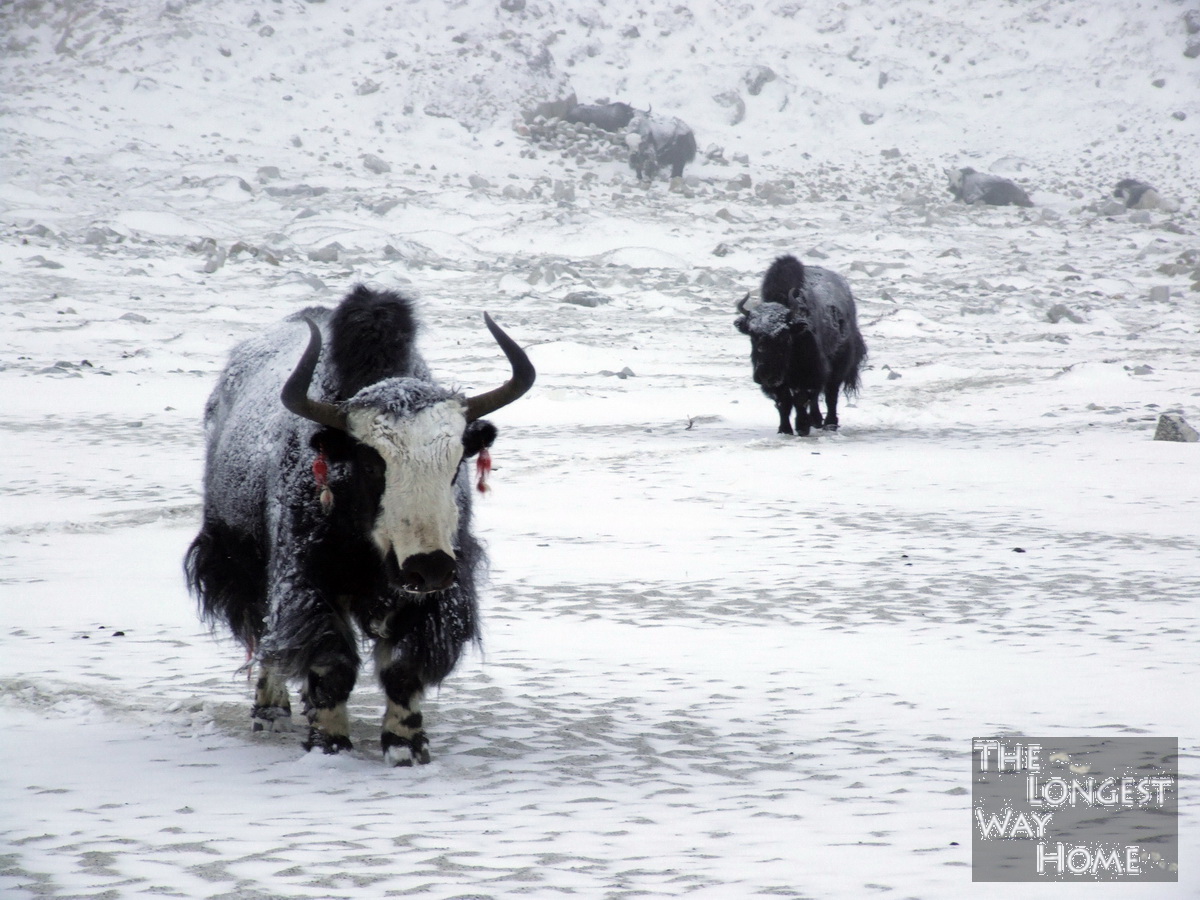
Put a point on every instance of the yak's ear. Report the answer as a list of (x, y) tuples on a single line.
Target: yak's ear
[(479, 435)]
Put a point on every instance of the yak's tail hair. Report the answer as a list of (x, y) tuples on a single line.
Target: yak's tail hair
[(227, 574)]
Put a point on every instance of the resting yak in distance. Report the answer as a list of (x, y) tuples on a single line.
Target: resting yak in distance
[(972, 187), (345, 516), (804, 341)]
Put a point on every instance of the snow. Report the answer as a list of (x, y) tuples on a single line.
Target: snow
[(717, 662)]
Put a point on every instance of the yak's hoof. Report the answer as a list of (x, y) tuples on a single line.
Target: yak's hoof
[(271, 718), (402, 751), (328, 743), (831, 426)]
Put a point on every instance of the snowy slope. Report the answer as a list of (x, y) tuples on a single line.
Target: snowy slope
[(718, 662)]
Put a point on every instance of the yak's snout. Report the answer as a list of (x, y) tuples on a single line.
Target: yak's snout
[(424, 573)]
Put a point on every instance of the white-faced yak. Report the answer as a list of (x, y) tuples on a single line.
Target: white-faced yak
[(970, 186), (344, 517), (804, 341), (658, 141)]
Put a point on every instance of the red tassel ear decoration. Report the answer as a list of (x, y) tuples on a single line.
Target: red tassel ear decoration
[(483, 467), (320, 470)]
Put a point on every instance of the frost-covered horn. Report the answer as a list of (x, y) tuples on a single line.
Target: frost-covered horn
[(523, 375), (295, 391)]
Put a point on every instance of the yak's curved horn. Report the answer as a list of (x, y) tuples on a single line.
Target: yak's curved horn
[(295, 391), (741, 304), (522, 378)]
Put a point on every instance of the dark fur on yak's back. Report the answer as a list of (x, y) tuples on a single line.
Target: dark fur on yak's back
[(804, 341), (300, 583)]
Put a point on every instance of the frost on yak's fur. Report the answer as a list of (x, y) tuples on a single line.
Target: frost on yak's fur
[(658, 141), (804, 341), (300, 582), (970, 186)]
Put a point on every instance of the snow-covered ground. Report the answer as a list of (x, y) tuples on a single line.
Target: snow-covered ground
[(718, 662)]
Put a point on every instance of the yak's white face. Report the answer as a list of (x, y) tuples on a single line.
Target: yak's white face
[(421, 453)]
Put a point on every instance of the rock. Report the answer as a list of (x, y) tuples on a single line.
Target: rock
[(1112, 207), (732, 101), (328, 253), (893, 153), (268, 173), (1060, 311), (1191, 21), (215, 260), (721, 249), (374, 164), (756, 77), (1140, 217), (1173, 427), (478, 182), (590, 299), (512, 6), (1193, 48), (135, 317), (383, 207), (367, 87), (737, 184), (869, 118), (564, 191), (1160, 293)]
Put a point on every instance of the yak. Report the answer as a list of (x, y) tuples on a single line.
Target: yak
[(972, 187), (606, 116), (343, 517), (804, 341), (658, 141)]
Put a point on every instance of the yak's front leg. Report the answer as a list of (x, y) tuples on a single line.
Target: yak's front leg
[(783, 403), (814, 410), (403, 738), (325, 697), (272, 710), (803, 403)]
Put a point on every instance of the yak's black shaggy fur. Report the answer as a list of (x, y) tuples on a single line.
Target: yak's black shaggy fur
[(607, 116), (300, 583), (804, 340)]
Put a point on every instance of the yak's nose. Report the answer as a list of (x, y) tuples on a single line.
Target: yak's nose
[(423, 573)]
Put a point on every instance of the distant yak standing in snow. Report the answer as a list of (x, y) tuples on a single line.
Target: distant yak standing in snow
[(344, 518), (607, 116), (970, 186), (804, 341), (658, 141)]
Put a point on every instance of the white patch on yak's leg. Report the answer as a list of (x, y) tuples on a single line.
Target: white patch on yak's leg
[(328, 728), (272, 710), (403, 739)]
